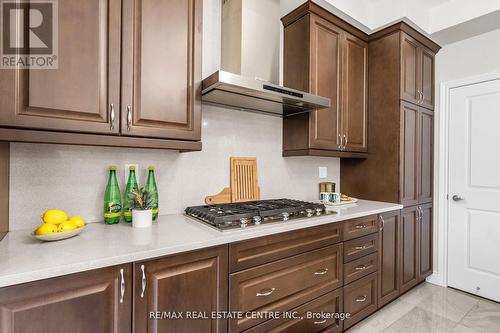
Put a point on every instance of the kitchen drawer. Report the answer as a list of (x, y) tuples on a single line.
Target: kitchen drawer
[(360, 299), (358, 268), (360, 247), (284, 284), (262, 250), (360, 227), (328, 304)]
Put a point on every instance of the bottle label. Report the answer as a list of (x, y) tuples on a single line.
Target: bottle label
[(112, 215), (127, 213), (114, 210)]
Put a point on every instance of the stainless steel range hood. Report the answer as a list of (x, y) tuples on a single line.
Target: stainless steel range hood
[(250, 34), (247, 94)]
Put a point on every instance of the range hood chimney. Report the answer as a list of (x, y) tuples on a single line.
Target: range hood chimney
[(249, 74)]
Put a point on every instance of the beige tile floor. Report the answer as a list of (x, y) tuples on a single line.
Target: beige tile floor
[(432, 309)]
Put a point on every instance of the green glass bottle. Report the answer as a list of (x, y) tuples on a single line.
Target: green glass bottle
[(112, 199), (151, 188), (131, 186)]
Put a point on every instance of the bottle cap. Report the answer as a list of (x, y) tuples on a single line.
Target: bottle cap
[(132, 168), (112, 168), (151, 168)]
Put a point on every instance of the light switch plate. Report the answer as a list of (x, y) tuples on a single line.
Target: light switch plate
[(137, 172), (323, 172)]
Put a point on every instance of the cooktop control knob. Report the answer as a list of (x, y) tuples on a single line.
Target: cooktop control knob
[(309, 212), (243, 222), (257, 220), (286, 216)]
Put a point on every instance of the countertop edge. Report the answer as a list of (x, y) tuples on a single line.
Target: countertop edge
[(52, 272)]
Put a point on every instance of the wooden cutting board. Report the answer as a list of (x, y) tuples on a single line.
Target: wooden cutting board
[(244, 183)]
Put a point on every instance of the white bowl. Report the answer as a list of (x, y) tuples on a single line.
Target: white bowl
[(59, 235)]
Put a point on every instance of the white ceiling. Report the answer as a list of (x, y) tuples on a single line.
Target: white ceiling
[(445, 21)]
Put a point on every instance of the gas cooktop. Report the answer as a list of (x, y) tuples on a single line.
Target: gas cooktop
[(254, 213)]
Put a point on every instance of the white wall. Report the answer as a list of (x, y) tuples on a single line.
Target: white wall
[(74, 177), (470, 57)]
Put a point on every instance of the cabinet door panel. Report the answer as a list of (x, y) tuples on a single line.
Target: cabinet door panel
[(410, 76), (410, 249), (409, 146), (162, 68), (76, 96), (425, 265), (427, 78), (389, 257), (324, 125), (195, 281), (354, 93), (426, 156), (83, 302)]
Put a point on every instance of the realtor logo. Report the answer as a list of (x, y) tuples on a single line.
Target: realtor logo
[(28, 34)]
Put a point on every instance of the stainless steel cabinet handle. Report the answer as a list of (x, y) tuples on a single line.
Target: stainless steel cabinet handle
[(112, 115), (143, 282), (340, 142), (364, 247), (265, 292), (383, 222), (320, 322), (360, 226), (129, 117), (457, 198), (361, 298), (345, 142), (321, 271), (360, 268), (122, 286)]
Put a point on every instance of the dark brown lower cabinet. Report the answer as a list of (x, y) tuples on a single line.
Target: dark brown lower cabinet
[(360, 299), (409, 248), (193, 282), (425, 242), (308, 318), (389, 257), (93, 301)]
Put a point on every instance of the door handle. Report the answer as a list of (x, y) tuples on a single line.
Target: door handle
[(457, 198)]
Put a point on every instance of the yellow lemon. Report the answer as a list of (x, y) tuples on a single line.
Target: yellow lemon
[(78, 221), (66, 226), (54, 216), (46, 229)]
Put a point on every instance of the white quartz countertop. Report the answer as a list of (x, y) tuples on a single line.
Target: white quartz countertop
[(24, 258)]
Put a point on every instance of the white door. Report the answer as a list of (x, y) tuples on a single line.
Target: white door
[(474, 189)]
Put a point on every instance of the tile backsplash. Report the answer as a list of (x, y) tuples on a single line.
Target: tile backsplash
[(73, 178)]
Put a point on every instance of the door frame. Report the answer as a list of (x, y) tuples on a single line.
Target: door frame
[(441, 185)]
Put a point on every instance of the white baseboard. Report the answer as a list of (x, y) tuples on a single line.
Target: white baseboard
[(437, 279)]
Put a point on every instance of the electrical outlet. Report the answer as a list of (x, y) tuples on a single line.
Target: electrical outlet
[(323, 172), (126, 173)]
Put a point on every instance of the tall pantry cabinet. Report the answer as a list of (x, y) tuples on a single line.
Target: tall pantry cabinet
[(400, 162)]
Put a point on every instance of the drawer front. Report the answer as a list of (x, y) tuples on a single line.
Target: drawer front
[(360, 247), (284, 284), (360, 299), (303, 321), (360, 227), (250, 253), (358, 268)]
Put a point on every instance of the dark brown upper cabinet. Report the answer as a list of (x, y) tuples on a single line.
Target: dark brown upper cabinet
[(161, 69), (129, 74), (94, 301), (399, 167), (417, 72), (194, 281), (327, 57), (83, 93)]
